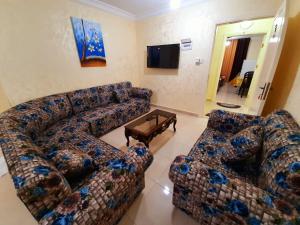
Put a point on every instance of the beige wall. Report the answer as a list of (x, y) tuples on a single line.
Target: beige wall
[(39, 55), (185, 88), (4, 103)]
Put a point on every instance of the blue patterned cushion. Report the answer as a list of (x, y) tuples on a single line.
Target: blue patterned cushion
[(85, 99), (245, 144), (72, 163), (122, 95)]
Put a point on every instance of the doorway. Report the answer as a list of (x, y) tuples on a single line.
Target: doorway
[(238, 55), (238, 67)]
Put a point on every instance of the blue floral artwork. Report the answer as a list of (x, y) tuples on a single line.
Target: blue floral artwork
[(89, 41)]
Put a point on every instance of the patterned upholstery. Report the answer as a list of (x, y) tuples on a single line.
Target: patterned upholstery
[(216, 192), (141, 93), (121, 95), (61, 171), (71, 162), (84, 99), (102, 120), (245, 144)]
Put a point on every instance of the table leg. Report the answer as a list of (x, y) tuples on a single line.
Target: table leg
[(174, 125)]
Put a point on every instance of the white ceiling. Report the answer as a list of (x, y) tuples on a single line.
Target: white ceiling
[(136, 9)]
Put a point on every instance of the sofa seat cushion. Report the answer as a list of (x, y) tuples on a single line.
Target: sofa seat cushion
[(213, 146), (71, 162), (121, 95), (62, 131), (104, 119), (101, 121), (98, 150), (245, 144)]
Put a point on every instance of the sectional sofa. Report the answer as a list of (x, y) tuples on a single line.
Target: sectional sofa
[(242, 170), (61, 170)]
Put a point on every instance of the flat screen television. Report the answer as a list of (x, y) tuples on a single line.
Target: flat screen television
[(163, 56)]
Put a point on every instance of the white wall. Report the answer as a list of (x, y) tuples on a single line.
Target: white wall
[(38, 52), (254, 47), (185, 88)]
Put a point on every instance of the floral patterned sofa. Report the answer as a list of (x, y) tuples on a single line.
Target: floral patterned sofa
[(242, 170), (61, 171)]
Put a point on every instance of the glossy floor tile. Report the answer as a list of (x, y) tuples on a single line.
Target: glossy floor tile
[(154, 205), (229, 94)]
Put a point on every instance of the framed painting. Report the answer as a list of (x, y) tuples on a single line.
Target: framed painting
[(89, 42)]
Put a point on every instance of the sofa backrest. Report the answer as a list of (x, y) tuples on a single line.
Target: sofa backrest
[(280, 168), (84, 99), (106, 92), (90, 98), (36, 115)]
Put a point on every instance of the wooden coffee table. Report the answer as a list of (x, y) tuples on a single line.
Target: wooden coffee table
[(147, 127)]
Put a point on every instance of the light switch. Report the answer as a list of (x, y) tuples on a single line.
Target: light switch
[(199, 61)]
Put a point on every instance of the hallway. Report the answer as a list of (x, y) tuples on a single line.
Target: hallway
[(229, 94)]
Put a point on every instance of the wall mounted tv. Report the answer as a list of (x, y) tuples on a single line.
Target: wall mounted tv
[(163, 56)]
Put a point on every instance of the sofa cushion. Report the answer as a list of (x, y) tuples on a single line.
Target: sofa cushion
[(85, 99), (61, 131), (106, 95), (121, 95), (140, 93), (72, 163), (102, 120), (99, 151), (244, 144), (56, 106), (106, 92)]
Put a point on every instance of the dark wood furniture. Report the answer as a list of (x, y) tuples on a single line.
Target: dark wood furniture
[(147, 127)]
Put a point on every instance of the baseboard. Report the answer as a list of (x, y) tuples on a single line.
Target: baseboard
[(177, 110)]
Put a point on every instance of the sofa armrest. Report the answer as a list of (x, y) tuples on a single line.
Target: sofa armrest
[(227, 199), (141, 93), (102, 200), (38, 184), (140, 155), (231, 122)]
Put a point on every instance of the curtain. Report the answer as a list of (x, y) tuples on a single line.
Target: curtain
[(240, 56)]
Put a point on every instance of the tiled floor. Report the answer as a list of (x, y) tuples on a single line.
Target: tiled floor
[(229, 94), (154, 205)]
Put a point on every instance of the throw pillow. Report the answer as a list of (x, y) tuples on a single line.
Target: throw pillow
[(72, 163), (121, 95), (244, 144)]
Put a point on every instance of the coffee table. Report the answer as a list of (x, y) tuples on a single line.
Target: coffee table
[(147, 127)]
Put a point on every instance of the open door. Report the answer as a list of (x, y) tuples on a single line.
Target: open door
[(275, 45)]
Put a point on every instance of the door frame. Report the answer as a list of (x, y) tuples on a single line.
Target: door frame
[(223, 31)]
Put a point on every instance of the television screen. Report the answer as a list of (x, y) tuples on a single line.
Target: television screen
[(163, 56)]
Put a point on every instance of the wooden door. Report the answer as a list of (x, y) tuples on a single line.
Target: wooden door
[(228, 59)]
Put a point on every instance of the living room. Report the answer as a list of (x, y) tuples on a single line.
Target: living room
[(144, 118)]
